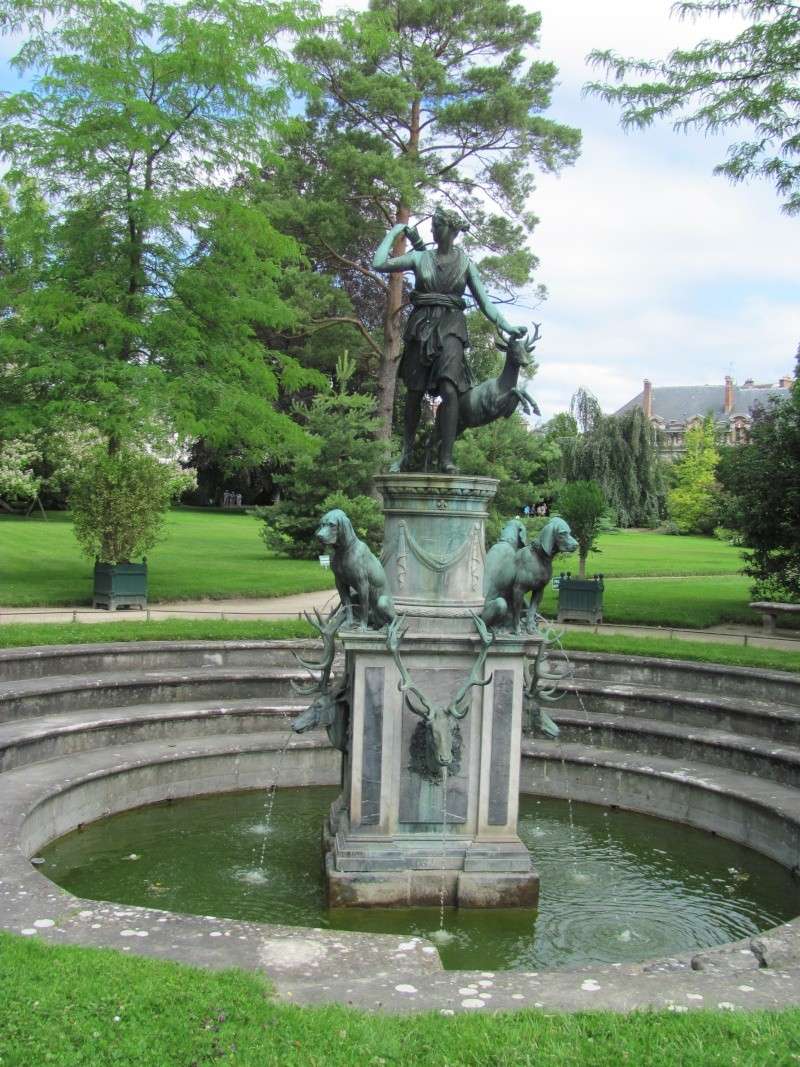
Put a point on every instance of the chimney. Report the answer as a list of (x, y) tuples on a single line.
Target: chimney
[(647, 399), (785, 382), (728, 407)]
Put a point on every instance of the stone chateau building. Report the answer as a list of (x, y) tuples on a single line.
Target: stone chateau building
[(674, 409)]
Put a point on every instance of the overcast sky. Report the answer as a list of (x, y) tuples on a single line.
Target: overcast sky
[(654, 267)]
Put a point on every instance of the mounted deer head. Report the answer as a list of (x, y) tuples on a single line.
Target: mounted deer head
[(439, 719)]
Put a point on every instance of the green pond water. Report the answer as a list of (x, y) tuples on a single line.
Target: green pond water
[(615, 886)]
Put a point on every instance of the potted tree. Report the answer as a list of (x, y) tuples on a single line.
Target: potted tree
[(583, 505), (119, 502)]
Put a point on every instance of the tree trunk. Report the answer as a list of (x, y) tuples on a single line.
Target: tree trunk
[(581, 566), (393, 322), (392, 341)]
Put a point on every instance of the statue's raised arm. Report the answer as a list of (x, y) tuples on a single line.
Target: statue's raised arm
[(435, 336)]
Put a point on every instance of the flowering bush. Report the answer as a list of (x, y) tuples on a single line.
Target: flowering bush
[(17, 480)]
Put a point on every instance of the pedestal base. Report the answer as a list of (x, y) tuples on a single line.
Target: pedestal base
[(406, 832), (419, 870), (423, 888)]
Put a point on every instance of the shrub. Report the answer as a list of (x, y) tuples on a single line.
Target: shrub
[(287, 535), (119, 501), (583, 505), (730, 537), (276, 542)]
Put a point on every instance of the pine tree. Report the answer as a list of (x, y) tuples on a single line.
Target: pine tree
[(417, 101)]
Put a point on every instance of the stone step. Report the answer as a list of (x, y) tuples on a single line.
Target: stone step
[(782, 687), (45, 660), (733, 714), (763, 815), (28, 740), (751, 755), (32, 697)]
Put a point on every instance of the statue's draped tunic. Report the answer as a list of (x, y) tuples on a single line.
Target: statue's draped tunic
[(436, 332)]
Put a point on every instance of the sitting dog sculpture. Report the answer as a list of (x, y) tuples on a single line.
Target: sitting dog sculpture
[(356, 568), (514, 568)]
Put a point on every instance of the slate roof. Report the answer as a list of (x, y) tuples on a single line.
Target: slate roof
[(679, 403)]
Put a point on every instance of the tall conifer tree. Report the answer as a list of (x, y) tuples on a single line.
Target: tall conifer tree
[(418, 101)]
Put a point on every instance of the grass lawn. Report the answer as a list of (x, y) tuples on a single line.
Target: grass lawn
[(643, 553), (74, 1007), (20, 635), (216, 555), (206, 554), (691, 602)]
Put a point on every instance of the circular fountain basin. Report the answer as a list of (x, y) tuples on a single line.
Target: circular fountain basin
[(616, 886)]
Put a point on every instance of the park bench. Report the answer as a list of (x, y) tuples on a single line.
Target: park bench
[(770, 611)]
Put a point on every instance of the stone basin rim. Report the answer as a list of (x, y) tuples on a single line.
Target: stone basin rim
[(773, 957), (45, 894)]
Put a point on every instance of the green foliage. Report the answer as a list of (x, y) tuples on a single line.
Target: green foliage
[(762, 483), (275, 541), (143, 290), (750, 80), (414, 102), (364, 512), (119, 502), (562, 425), (620, 453), (582, 504), (726, 534), (346, 458), (693, 501), (508, 450)]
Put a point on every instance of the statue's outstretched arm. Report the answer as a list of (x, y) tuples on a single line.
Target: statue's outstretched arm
[(492, 313), (382, 261)]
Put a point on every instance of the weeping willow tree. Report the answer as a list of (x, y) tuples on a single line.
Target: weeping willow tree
[(620, 453)]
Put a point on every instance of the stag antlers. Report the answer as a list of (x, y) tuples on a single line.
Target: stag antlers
[(539, 681), (327, 630), (527, 345), (459, 706)]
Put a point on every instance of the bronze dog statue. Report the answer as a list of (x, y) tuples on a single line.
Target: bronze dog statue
[(356, 568), (514, 568)]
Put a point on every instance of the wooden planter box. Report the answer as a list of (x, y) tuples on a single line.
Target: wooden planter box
[(580, 599), (120, 585)]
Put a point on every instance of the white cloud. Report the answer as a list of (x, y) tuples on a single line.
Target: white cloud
[(655, 267)]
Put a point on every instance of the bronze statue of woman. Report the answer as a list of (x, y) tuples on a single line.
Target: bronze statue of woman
[(436, 336)]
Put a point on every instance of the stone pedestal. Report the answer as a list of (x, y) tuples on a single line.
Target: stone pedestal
[(394, 838)]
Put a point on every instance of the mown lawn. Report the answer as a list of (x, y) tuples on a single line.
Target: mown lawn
[(691, 602), (215, 555), (78, 1007), (205, 554), (643, 553)]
